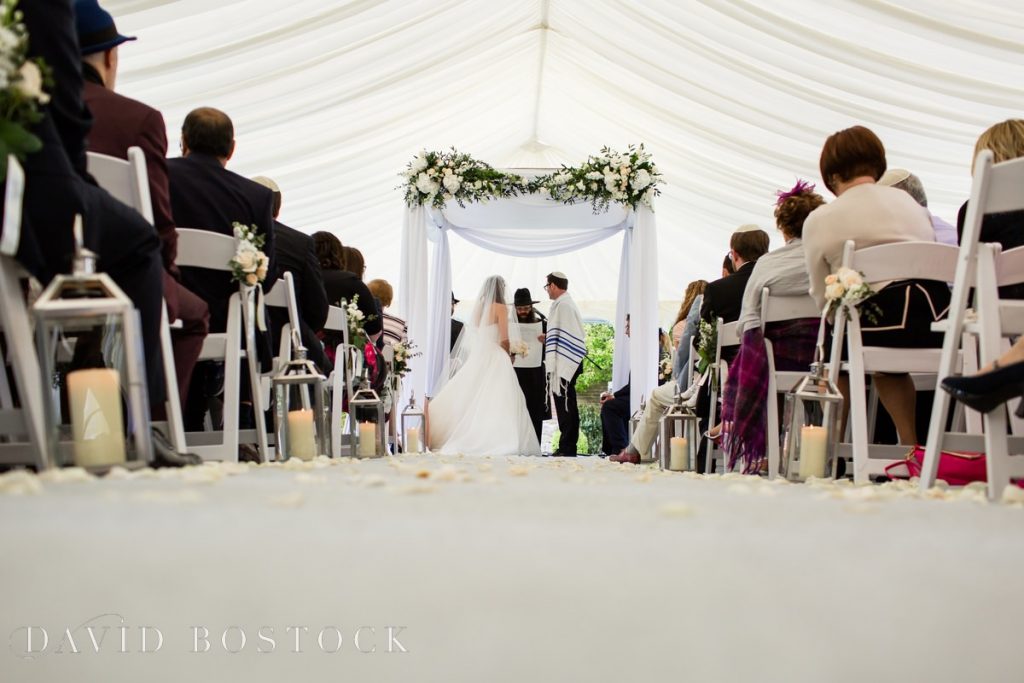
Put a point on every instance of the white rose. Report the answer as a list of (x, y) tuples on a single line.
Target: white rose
[(594, 175), (834, 291), (30, 82), (246, 260), (419, 163), (610, 184), (452, 183), (850, 278), (545, 192), (8, 40), (427, 185), (593, 187), (579, 185), (641, 180)]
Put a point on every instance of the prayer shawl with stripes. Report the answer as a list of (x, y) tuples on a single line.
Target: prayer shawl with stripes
[(565, 343)]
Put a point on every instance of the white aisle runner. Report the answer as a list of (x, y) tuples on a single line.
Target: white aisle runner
[(506, 570)]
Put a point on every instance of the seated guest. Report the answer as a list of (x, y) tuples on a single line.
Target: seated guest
[(295, 253), (57, 187), (902, 179), (343, 285), (395, 330), (728, 268), (119, 123), (852, 160), (1006, 141), (615, 416), (205, 195), (784, 273), (722, 298), (689, 319)]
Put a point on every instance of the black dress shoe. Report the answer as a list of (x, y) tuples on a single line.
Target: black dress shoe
[(164, 454), (987, 391), (560, 454)]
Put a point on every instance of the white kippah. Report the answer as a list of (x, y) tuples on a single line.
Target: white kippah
[(559, 274), (894, 176), (749, 227), (267, 183)]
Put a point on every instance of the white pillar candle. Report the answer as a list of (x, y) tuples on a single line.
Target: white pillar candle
[(94, 398), (412, 440), (812, 451), (367, 439), (301, 436), (678, 460)]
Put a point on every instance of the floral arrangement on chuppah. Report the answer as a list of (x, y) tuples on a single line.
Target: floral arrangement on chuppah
[(630, 178), (435, 178), (21, 87)]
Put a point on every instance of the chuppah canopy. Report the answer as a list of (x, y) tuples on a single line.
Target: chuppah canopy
[(530, 225)]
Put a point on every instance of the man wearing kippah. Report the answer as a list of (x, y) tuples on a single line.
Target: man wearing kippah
[(565, 346)]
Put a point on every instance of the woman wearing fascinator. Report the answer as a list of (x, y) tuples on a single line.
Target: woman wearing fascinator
[(481, 410)]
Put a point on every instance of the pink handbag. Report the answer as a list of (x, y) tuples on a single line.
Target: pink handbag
[(956, 468)]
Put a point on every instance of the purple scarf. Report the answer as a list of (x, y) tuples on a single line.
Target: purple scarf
[(744, 410)]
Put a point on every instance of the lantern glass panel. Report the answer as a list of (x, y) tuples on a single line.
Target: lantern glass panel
[(369, 427), (413, 428), (300, 412), (679, 439), (812, 421)]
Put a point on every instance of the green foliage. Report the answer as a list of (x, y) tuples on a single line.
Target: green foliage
[(600, 350), (591, 433), (582, 446)]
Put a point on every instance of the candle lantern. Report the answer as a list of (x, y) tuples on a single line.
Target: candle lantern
[(413, 427), (813, 414), (634, 419), (679, 438), (366, 415), (300, 413), (89, 341)]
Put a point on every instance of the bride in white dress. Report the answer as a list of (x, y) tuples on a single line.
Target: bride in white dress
[(481, 409)]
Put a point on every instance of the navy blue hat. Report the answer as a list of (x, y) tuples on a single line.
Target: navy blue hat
[(96, 29)]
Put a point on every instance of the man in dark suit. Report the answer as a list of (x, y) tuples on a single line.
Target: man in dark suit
[(207, 196), (119, 123), (723, 299), (58, 186), (296, 254), (615, 416), (533, 381)]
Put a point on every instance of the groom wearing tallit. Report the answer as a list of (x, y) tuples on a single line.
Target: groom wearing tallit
[(564, 348)]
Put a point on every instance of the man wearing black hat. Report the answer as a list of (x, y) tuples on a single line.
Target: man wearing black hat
[(120, 122), (532, 380), (456, 326)]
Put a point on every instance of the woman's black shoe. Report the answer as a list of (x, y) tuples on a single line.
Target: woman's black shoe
[(988, 391)]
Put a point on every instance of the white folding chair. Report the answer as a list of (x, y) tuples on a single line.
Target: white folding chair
[(896, 261), (996, 188), (21, 426), (347, 366), (282, 295), (779, 309), (127, 181), (206, 249), (727, 337)]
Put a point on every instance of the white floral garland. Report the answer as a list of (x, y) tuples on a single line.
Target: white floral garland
[(435, 178)]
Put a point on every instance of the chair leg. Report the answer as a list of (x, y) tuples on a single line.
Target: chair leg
[(175, 422), (858, 412)]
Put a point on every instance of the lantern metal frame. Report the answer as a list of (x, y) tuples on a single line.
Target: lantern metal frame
[(817, 392), (410, 413), (80, 302), (678, 420), (301, 374), (366, 398), (634, 419)]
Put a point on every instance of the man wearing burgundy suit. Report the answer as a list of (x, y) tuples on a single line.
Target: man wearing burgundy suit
[(119, 123)]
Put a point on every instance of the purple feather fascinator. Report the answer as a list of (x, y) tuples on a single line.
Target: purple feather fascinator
[(801, 187)]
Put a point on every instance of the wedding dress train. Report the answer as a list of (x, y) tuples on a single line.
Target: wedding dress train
[(481, 409)]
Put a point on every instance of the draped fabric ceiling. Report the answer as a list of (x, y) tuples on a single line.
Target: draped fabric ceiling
[(331, 98)]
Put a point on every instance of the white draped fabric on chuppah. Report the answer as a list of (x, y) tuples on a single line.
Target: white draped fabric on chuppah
[(529, 226)]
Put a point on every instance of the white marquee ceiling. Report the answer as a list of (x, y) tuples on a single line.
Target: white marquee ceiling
[(332, 98)]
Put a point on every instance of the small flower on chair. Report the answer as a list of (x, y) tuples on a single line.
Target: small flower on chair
[(846, 289), (249, 266)]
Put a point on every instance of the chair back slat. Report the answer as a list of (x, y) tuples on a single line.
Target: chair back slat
[(204, 249), (904, 261), (1010, 267), (125, 179), (13, 193), (779, 308), (1005, 187), (336, 320)]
